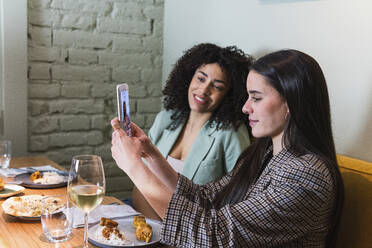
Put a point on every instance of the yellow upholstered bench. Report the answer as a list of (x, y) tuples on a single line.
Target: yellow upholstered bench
[(356, 221)]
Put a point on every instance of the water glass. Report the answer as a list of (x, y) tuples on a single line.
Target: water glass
[(56, 223), (5, 153)]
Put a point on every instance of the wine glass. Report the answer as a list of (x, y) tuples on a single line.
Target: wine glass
[(86, 185)]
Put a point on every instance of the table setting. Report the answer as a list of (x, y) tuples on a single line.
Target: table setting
[(75, 223), (22, 176)]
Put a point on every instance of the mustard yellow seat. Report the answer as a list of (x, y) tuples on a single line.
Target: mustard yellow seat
[(356, 221)]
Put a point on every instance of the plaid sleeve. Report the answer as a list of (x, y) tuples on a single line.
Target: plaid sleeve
[(292, 209)]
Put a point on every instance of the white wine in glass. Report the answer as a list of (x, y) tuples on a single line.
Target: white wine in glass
[(86, 185)]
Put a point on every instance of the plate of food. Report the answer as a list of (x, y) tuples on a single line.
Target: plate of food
[(43, 179), (136, 231), (7, 190), (28, 207)]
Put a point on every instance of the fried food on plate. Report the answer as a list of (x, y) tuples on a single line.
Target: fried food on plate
[(108, 232), (108, 222), (144, 232), (35, 175), (2, 184), (138, 219)]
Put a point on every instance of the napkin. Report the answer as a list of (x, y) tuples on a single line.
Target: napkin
[(107, 211), (12, 172)]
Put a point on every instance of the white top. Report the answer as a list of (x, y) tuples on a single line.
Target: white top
[(176, 164)]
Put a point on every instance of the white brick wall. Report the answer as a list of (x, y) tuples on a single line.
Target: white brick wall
[(78, 50)]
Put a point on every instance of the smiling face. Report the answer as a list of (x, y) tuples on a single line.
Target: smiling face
[(266, 108), (207, 89)]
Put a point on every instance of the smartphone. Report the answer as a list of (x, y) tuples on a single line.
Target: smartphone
[(122, 95)]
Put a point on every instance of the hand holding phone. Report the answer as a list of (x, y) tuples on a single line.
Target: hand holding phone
[(123, 107)]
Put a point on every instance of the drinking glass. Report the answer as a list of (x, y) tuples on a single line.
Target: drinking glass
[(56, 221), (5, 153), (86, 185)]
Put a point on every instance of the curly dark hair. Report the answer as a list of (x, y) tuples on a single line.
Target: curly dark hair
[(233, 61)]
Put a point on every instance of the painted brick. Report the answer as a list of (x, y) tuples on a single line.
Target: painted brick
[(38, 3), (95, 45), (137, 90), (89, 106), (151, 76), (64, 55), (149, 105), (153, 45), (45, 124), (94, 138), (63, 156), (41, 17), (124, 26), (37, 107), (81, 39), (139, 119), (77, 21), (127, 60), (43, 54), (75, 89), (41, 81), (75, 122), (85, 57), (130, 44), (99, 122), (137, 1), (104, 90), (83, 73), (158, 29), (40, 36), (133, 106), (155, 90), (127, 10), (152, 12), (67, 139), (104, 151), (119, 183), (89, 6), (158, 62), (124, 74), (39, 143), (43, 91), (39, 71)]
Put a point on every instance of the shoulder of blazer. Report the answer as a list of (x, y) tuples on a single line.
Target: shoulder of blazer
[(162, 122)]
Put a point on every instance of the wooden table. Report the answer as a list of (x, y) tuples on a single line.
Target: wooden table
[(18, 233)]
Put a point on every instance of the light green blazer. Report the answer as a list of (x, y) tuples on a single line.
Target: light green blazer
[(212, 155)]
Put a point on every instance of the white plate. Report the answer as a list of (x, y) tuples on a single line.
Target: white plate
[(8, 206), (126, 227), (10, 190)]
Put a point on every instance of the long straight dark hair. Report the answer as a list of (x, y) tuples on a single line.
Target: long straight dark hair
[(300, 81)]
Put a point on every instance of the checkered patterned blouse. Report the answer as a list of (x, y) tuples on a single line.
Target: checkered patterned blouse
[(289, 206)]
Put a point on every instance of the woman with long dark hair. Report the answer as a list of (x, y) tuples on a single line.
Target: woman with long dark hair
[(286, 190)]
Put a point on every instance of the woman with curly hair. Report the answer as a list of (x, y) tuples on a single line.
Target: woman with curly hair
[(202, 130)]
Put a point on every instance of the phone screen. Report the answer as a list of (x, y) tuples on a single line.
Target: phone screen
[(124, 111)]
